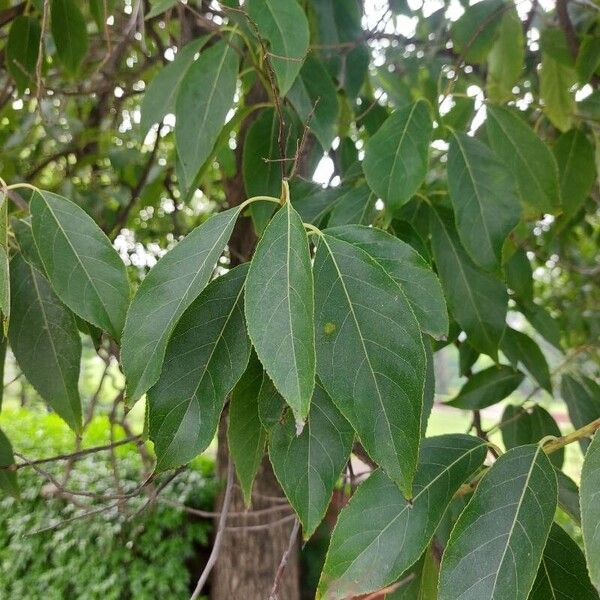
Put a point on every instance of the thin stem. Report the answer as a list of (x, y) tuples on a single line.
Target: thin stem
[(552, 445), (29, 186), (257, 199), (312, 229)]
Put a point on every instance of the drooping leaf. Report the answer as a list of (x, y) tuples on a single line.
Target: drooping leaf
[(429, 390), (477, 300), (562, 573), (506, 58), (8, 479), (543, 322), (487, 387), (24, 236), (245, 434), (588, 59), (474, 32), (520, 427), (22, 50), (423, 585), (396, 156), (484, 199), (577, 169), (159, 97), (519, 275), (206, 355), (496, 546), (370, 356), (406, 267), (529, 160), (314, 97), (45, 341), (590, 508), (84, 269), (467, 357), (309, 465), (379, 534), (3, 349), (357, 205), (69, 31), (582, 397), (556, 80), (280, 285), (568, 496), (204, 99), (168, 289), (519, 348), (101, 10), (284, 25)]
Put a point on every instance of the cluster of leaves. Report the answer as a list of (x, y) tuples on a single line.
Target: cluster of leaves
[(327, 337)]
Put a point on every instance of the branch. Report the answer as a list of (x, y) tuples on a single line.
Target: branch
[(284, 561), (212, 559), (579, 434), (567, 27)]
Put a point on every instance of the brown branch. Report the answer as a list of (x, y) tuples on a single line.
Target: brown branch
[(566, 25), (284, 561)]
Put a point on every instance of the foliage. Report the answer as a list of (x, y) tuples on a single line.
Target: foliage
[(462, 209)]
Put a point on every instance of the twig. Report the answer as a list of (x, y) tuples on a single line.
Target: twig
[(390, 588), (284, 561), (40, 56), (261, 526), (579, 434), (157, 491), (214, 553), (207, 514)]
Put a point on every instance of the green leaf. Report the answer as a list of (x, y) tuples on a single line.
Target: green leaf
[(577, 169), (245, 434), (280, 309), (520, 427), (308, 465), (158, 7), (563, 573), (484, 199), (520, 348), (314, 97), (467, 357), (84, 269), (379, 534), (477, 300), (588, 59), (69, 31), (206, 355), (168, 289), (204, 99), (543, 323), (429, 389), (487, 387), (45, 341), (519, 275), (406, 267), (497, 543), (24, 236), (396, 156), (159, 97), (370, 356), (100, 11), (568, 496), (271, 406), (590, 508), (357, 205), (556, 80), (284, 25), (423, 585), (22, 50), (3, 349), (506, 58), (582, 397), (474, 33), (4, 269), (8, 479), (527, 157)]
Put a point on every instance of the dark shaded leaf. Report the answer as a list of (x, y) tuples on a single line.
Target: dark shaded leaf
[(69, 31), (590, 508), (8, 479), (519, 348), (582, 397), (22, 49)]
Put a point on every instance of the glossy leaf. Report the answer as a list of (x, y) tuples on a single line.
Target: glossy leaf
[(487, 387), (280, 287), (379, 535), (527, 157), (496, 546), (245, 434), (406, 267), (582, 397), (8, 479), (484, 199), (520, 427), (204, 99), (69, 31), (370, 356), (168, 289), (590, 508), (22, 49), (45, 341), (309, 465), (477, 300), (556, 80), (562, 573), (577, 169), (84, 269), (314, 97), (284, 25), (159, 97), (207, 354), (519, 348), (396, 157)]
